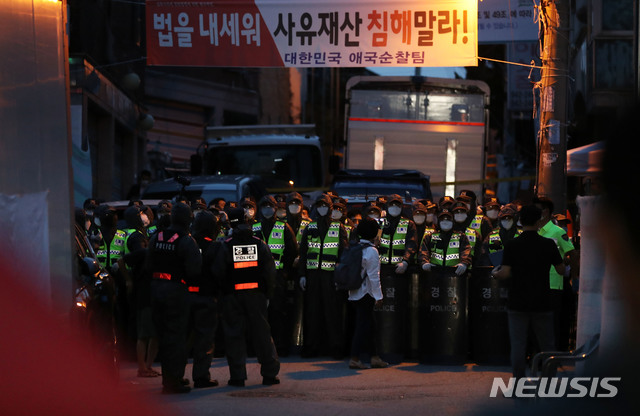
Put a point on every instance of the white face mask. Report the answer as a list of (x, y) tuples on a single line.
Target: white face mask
[(336, 215), (419, 219), (394, 210), (249, 212), (460, 217), (492, 213), (97, 222), (506, 224), (431, 218), (446, 225), (322, 211), (145, 220), (267, 212), (294, 208), (374, 216)]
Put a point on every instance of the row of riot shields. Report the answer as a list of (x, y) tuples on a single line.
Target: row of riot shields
[(438, 317), (433, 317)]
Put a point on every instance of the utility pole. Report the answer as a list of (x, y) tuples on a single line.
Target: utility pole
[(552, 133)]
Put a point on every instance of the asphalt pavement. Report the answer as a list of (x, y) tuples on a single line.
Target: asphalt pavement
[(326, 387)]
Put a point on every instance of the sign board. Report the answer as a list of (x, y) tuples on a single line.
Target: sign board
[(501, 21), (324, 33), (521, 77)]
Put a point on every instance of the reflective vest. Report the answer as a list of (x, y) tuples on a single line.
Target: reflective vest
[(275, 240), (448, 257), (476, 223), (427, 232), (495, 241), (392, 250), (164, 260), (323, 254), (303, 225), (107, 257)]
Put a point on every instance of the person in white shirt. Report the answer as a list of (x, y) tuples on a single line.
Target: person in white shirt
[(366, 297)]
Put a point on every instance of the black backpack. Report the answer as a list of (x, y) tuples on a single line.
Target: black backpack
[(347, 274)]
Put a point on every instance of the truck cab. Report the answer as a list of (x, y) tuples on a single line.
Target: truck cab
[(286, 157)]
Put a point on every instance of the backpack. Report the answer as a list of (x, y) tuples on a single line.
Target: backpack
[(347, 274)]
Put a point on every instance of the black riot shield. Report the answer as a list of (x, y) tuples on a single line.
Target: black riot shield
[(391, 316), (443, 335), (488, 325)]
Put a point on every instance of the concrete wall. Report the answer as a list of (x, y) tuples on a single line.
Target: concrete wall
[(35, 142)]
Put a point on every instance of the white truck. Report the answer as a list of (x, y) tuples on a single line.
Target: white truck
[(286, 157), (433, 125)]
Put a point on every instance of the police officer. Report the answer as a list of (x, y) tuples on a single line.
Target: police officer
[(475, 220), (282, 242), (446, 247), (492, 210), (249, 206), (493, 245), (246, 273), (294, 214), (320, 247), (398, 241), (175, 263), (163, 219), (460, 219), (203, 317)]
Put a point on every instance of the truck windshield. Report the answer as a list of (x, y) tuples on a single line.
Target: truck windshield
[(363, 189), (279, 166)]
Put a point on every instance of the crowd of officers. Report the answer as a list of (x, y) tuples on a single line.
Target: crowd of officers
[(264, 268)]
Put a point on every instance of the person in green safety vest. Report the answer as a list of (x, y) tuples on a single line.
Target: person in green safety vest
[(282, 242), (556, 280), (492, 211), (398, 241), (460, 223), (321, 244), (476, 221), (446, 247), (493, 245)]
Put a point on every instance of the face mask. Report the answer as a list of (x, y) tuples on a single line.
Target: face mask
[(506, 224), (97, 222), (281, 213), (145, 220), (249, 212), (446, 225), (460, 217), (394, 211), (294, 208), (431, 218), (267, 212), (89, 213), (374, 216), (419, 219), (492, 213), (322, 211), (336, 215)]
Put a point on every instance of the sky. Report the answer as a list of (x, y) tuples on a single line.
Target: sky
[(438, 72)]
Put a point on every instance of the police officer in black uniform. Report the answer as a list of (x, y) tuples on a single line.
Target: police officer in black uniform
[(246, 273), (175, 263)]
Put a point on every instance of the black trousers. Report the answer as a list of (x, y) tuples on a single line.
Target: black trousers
[(170, 310), (242, 311), (203, 322), (322, 313), (364, 339)]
